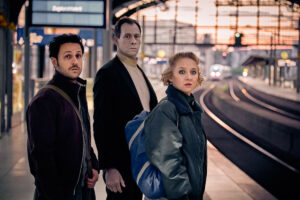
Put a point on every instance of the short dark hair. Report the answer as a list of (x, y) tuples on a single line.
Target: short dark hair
[(120, 22), (55, 44)]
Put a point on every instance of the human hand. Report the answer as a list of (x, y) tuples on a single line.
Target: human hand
[(114, 180), (91, 182)]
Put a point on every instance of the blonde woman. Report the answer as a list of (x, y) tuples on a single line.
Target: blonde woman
[(175, 140)]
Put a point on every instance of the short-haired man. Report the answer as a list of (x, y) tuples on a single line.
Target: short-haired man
[(121, 90), (60, 156)]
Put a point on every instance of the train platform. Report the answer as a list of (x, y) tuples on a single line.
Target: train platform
[(263, 86), (225, 181)]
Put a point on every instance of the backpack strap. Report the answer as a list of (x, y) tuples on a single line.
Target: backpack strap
[(135, 134), (66, 97)]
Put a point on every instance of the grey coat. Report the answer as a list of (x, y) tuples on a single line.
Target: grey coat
[(176, 145)]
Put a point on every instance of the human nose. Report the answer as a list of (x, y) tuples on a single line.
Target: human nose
[(75, 60), (133, 40), (188, 76)]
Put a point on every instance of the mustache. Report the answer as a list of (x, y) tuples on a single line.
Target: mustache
[(74, 67)]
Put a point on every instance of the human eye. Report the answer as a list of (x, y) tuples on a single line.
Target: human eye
[(68, 56), (127, 36), (78, 56), (194, 72), (137, 36), (181, 71)]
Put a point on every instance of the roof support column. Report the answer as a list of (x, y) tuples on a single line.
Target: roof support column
[(107, 34), (298, 60)]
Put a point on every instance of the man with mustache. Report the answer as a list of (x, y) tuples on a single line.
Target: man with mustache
[(60, 155)]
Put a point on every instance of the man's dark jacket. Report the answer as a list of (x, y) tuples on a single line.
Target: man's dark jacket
[(55, 139), (116, 101)]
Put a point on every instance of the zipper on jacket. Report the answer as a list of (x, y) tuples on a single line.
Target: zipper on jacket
[(82, 144)]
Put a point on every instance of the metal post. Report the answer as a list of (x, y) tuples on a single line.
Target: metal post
[(94, 64), (279, 17), (155, 25), (0, 121), (9, 81), (2, 70), (237, 16), (196, 21), (143, 42), (175, 27), (2, 78), (107, 39), (275, 62), (217, 18), (298, 70), (90, 62), (41, 61), (271, 59), (26, 59), (257, 22)]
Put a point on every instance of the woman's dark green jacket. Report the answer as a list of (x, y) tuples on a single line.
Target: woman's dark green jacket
[(176, 145)]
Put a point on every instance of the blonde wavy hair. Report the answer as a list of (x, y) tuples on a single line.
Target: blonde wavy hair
[(168, 73)]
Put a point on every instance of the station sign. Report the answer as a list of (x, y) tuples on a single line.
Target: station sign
[(68, 13), (40, 38)]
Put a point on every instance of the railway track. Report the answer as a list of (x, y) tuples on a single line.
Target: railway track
[(235, 142), (240, 91)]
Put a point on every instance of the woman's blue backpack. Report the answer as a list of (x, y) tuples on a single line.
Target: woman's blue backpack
[(147, 177)]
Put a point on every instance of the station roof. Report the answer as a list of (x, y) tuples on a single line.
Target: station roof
[(295, 1), (252, 59), (117, 5), (16, 5)]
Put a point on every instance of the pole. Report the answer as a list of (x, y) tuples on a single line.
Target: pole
[(2, 79), (196, 21), (41, 61), (298, 70), (257, 22), (175, 27), (26, 58), (155, 25), (143, 42), (107, 33), (271, 59), (217, 18), (94, 65), (2, 71), (9, 83)]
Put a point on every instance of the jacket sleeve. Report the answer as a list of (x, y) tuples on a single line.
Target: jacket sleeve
[(104, 119), (41, 125), (163, 149)]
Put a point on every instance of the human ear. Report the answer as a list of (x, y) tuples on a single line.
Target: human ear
[(54, 62), (116, 40)]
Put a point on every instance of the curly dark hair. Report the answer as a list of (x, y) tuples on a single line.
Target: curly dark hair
[(56, 43)]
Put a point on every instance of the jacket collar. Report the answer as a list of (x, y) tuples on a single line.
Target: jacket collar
[(116, 62), (178, 99), (68, 85)]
